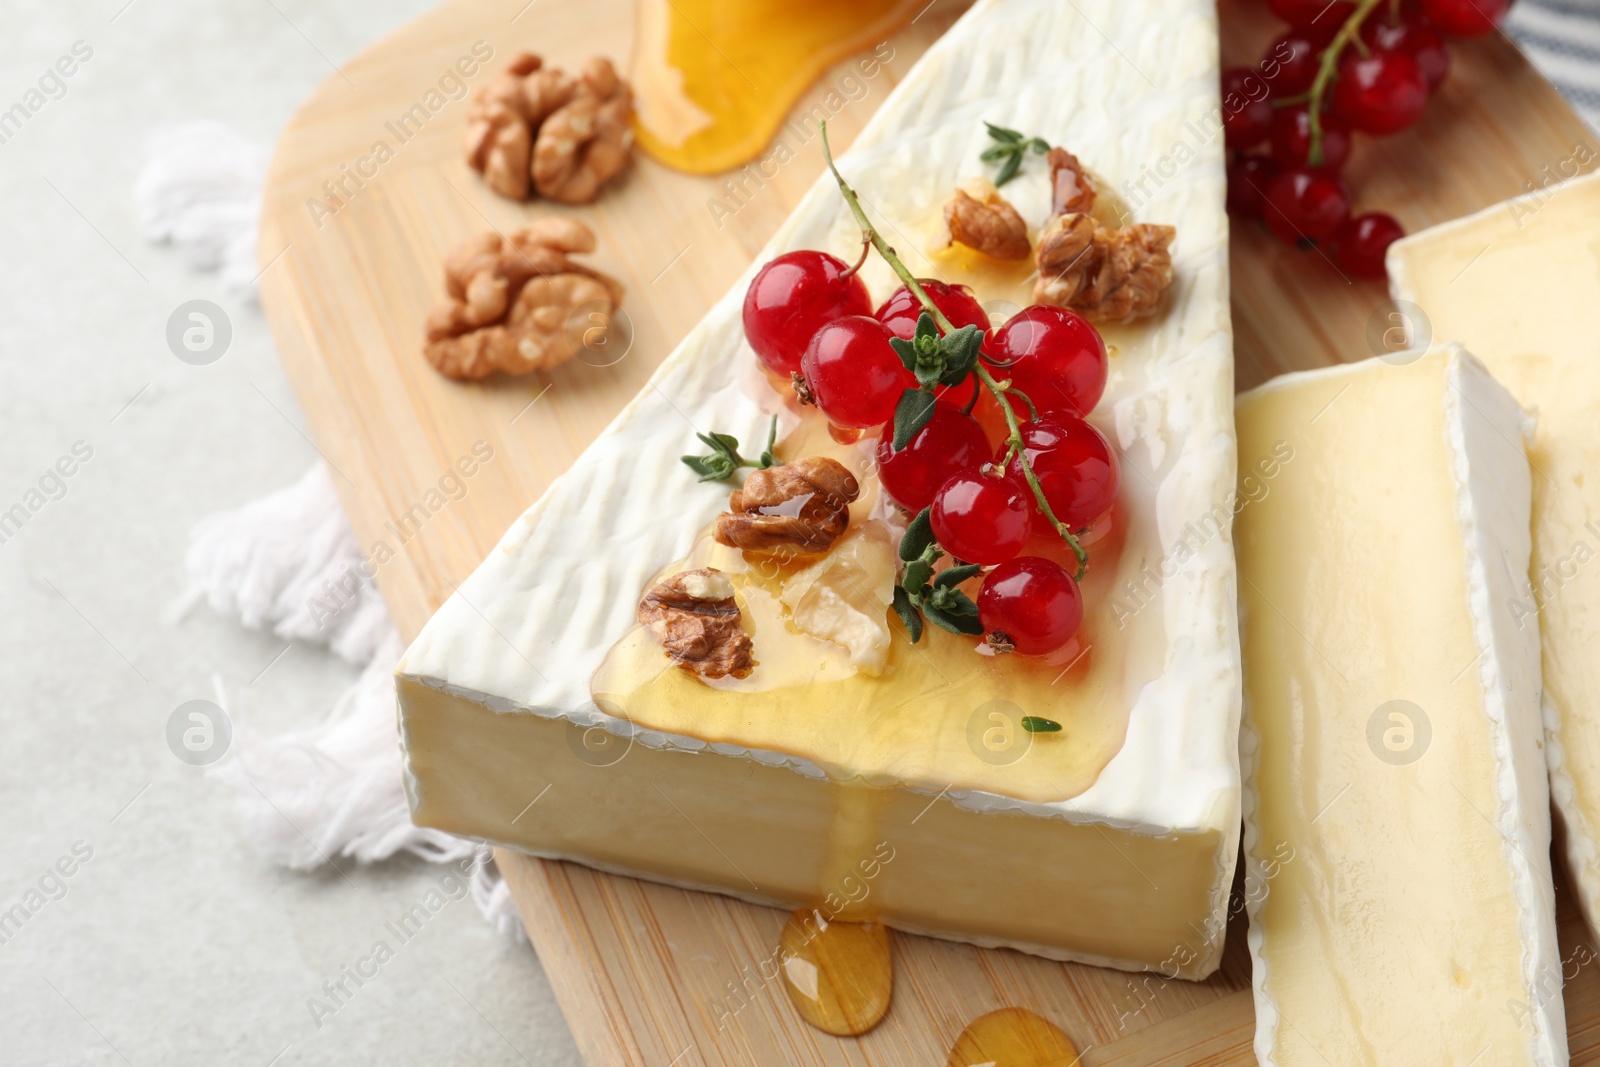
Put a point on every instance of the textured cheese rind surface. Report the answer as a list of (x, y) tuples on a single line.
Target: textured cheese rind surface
[(1519, 283), (1493, 490), (1136, 97)]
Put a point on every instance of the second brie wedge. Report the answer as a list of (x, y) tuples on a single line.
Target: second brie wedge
[(1396, 811), (1519, 284)]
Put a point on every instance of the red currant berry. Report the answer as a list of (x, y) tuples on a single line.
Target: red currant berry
[(1465, 18), (1318, 19), (949, 442), (1054, 356), (1246, 112), (1380, 93), (790, 300), (980, 517), (1305, 204), (1291, 138), (1248, 176), (1361, 243), (853, 374), (1033, 602), (1074, 464), (1413, 36), (902, 310), (1290, 65)]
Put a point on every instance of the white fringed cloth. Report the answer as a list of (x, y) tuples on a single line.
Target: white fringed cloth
[(289, 564)]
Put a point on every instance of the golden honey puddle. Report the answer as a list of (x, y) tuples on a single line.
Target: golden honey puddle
[(1012, 1037), (839, 975), (716, 78)]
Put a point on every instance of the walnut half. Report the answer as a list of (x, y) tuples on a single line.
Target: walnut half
[(695, 618), (799, 508), (509, 300), (537, 128), (1109, 273), (979, 217)]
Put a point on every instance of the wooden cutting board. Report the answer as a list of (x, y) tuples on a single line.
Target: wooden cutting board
[(642, 970)]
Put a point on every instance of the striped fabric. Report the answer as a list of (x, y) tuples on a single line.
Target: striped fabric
[(1562, 38)]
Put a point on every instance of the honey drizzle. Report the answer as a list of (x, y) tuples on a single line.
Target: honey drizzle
[(1012, 1037)]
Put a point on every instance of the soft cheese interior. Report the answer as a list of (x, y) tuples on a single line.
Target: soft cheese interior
[(1127, 861), (1519, 283), (1396, 809)]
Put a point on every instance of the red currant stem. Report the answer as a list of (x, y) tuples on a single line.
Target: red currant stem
[(1327, 69), (1289, 101), (1033, 412), (972, 402), (1014, 442), (866, 246), (1014, 439)]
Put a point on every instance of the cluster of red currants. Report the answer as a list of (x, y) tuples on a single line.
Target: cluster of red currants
[(1340, 68), (807, 314)]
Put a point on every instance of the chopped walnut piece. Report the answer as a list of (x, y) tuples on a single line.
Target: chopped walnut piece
[(509, 300), (694, 617), (979, 217), (536, 127), (585, 141), (797, 508), (1109, 273)]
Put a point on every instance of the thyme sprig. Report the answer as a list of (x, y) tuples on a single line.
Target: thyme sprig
[(1010, 148), (923, 406), (924, 593), (724, 460)]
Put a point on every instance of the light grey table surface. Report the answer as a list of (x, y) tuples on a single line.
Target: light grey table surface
[(176, 943)]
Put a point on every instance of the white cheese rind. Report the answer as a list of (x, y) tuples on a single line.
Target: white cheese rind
[(628, 507)]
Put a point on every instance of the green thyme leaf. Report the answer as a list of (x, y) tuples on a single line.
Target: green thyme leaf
[(767, 458), (1008, 169), (952, 576), (710, 468), (906, 350), (956, 624), (911, 414), (960, 354), (1039, 145), (916, 576), (1000, 133), (908, 614), (948, 600), (918, 536), (1036, 725), (995, 152)]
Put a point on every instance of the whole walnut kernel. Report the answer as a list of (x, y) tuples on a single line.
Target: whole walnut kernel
[(534, 127), (801, 507), (697, 622), (508, 300), (587, 140), (979, 217), (1109, 273)]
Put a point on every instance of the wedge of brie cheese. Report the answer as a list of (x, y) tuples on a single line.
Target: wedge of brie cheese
[(1397, 829), (1519, 283), (852, 766)]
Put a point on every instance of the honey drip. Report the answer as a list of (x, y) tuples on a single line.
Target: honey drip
[(840, 975), (715, 78), (1012, 1037)]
